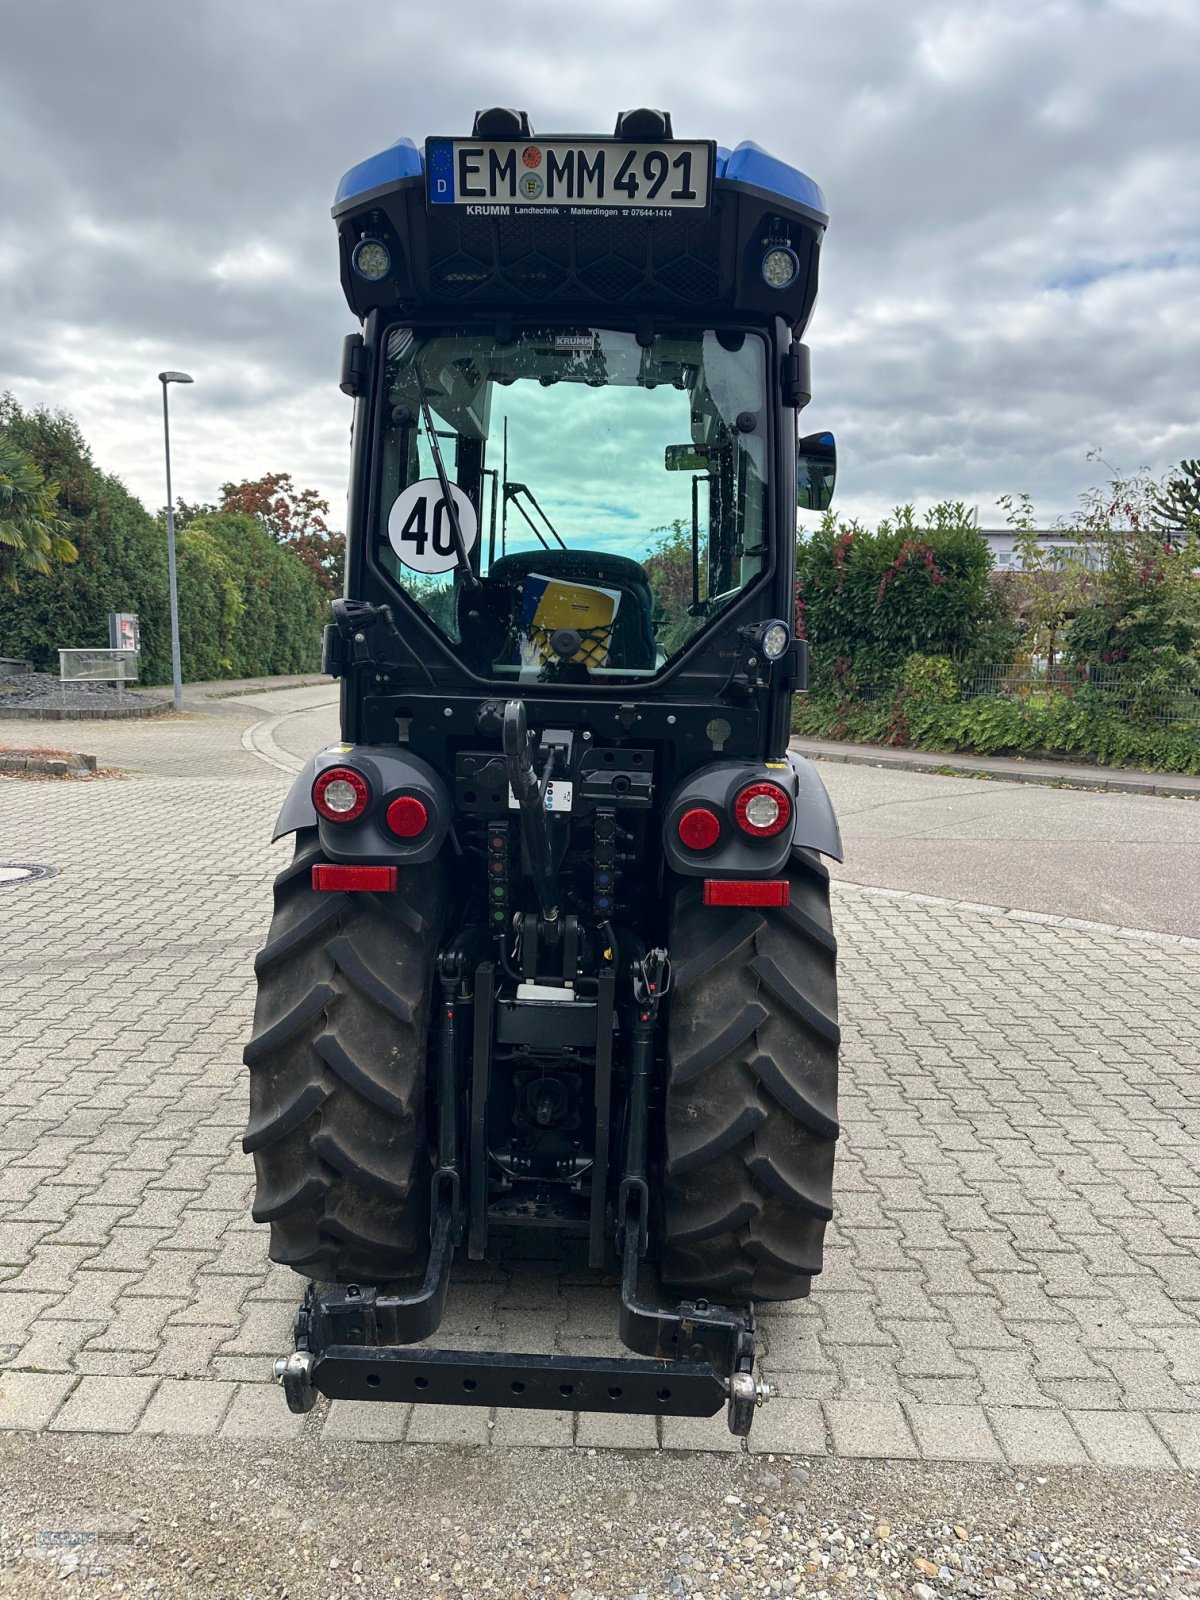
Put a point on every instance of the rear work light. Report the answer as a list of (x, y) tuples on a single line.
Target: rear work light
[(746, 892), (762, 810), (407, 817), (340, 794), (381, 880), (698, 829)]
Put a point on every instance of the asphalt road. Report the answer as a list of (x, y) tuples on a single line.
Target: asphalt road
[(1130, 860)]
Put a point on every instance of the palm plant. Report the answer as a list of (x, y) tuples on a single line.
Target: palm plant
[(32, 534)]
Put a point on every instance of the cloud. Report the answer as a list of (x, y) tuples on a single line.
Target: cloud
[(1010, 276)]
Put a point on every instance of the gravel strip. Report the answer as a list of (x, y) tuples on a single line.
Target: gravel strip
[(164, 1518), (33, 691)]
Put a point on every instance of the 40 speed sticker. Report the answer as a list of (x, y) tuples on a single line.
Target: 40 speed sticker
[(420, 530)]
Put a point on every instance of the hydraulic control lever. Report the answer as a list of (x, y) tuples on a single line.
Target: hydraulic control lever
[(530, 791)]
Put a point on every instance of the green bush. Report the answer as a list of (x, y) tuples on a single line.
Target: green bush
[(867, 600), (930, 679), (1144, 613), (248, 606), (122, 563), (1083, 726), (210, 606)]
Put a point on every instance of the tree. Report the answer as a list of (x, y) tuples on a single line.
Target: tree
[(1047, 591), (669, 569), (294, 517), (32, 534), (121, 563), (1175, 503), (187, 512)]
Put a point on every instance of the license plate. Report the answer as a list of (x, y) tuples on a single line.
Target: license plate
[(568, 175)]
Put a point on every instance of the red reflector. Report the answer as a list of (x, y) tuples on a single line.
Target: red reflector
[(406, 817), (746, 891), (699, 828), (380, 879)]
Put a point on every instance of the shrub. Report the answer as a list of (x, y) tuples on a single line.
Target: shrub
[(1144, 616), (248, 606), (874, 598), (1084, 726), (121, 566), (930, 679)]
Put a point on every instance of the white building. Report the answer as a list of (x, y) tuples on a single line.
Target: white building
[(1065, 541)]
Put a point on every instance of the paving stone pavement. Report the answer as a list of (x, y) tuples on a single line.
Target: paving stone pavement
[(1013, 1274)]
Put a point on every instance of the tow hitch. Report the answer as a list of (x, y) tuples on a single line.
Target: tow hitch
[(357, 1344), (362, 1343)]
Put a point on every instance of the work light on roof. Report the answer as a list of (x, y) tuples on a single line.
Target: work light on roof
[(780, 266), (371, 260)]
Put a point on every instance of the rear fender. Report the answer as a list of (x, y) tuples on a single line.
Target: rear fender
[(389, 769), (816, 826)]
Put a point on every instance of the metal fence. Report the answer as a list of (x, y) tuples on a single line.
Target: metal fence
[(1115, 687)]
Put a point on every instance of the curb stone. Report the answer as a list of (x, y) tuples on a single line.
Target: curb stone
[(28, 713), (1007, 769), (48, 766)]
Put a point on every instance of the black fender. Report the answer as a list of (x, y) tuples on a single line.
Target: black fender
[(390, 770), (816, 825)]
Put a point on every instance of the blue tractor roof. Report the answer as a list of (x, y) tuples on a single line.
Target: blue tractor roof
[(748, 165), (573, 259)]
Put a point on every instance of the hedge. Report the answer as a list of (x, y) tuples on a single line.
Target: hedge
[(868, 599), (248, 606), (924, 712), (122, 563)]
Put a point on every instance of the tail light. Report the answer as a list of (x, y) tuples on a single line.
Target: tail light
[(699, 828), (340, 794), (762, 810), (407, 817)]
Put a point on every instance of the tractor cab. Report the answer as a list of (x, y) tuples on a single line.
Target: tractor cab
[(578, 381)]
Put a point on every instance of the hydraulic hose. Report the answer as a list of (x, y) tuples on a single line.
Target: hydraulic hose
[(531, 797)]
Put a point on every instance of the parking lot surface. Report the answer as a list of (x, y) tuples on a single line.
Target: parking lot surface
[(1013, 1275)]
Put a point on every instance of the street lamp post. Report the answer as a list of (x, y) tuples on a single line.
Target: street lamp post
[(176, 674)]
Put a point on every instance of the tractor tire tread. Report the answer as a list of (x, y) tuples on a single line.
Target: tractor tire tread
[(750, 1118), (338, 1059)]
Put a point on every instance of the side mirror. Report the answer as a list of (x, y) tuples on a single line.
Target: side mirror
[(686, 458), (356, 366), (816, 470)]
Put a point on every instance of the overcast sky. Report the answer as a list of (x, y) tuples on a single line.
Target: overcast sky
[(1011, 276)]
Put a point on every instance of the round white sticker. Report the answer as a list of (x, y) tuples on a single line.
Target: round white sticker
[(419, 528)]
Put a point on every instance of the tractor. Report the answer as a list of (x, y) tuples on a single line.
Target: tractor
[(554, 950)]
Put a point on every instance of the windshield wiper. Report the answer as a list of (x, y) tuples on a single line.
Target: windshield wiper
[(460, 547)]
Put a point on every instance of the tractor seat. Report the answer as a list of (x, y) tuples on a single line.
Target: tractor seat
[(489, 621)]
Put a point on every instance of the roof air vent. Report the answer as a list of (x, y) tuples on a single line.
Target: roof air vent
[(501, 122), (643, 124)]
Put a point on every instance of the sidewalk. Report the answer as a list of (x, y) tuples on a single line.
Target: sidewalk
[(1013, 769), (226, 688)]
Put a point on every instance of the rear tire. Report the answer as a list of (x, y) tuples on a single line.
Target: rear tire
[(751, 1102), (337, 1065)]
